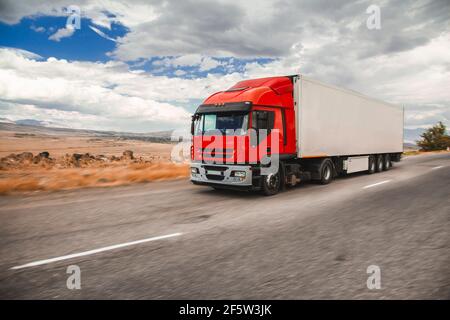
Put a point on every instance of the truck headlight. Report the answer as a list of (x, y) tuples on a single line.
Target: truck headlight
[(194, 170), (239, 174)]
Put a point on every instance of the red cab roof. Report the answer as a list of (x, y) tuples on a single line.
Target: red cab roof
[(263, 91)]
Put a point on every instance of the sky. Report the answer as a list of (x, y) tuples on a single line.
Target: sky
[(143, 66)]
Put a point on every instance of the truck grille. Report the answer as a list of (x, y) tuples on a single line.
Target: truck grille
[(215, 168), (214, 177), (221, 153)]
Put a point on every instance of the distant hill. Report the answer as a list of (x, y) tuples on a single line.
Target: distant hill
[(45, 127), (410, 146), (30, 126), (5, 120), (32, 122)]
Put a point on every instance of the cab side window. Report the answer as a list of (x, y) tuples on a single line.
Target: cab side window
[(263, 120)]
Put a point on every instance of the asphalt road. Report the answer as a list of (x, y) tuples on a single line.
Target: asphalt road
[(310, 242)]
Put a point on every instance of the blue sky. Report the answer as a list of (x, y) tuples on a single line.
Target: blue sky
[(84, 44), (32, 34), (145, 66)]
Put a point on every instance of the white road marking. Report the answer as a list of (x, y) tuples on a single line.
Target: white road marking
[(438, 167), (376, 184), (86, 253)]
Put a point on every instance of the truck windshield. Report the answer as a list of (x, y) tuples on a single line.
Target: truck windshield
[(207, 123)]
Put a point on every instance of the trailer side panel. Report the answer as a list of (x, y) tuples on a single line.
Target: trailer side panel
[(337, 122)]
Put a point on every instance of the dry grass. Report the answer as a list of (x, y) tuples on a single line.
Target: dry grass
[(418, 152), (33, 179), (58, 146), (152, 161)]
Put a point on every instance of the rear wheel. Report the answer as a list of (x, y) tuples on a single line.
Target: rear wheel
[(271, 184), (380, 163), (387, 162), (326, 172), (372, 165)]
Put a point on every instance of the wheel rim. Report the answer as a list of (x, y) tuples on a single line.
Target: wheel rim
[(380, 165), (372, 166), (272, 181)]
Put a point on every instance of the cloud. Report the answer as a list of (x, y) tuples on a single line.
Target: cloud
[(22, 53), (420, 116), (65, 32), (252, 28), (180, 73), (208, 64), (37, 29), (203, 63), (110, 96), (107, 92), (405, 62)]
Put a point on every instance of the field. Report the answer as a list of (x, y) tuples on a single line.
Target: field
[(36, 158)]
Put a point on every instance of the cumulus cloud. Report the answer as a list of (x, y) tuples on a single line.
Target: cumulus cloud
[(405, 62), (65, 32), (93, 90), (250, 28), (203, 63), (37, 29), (22, 53)]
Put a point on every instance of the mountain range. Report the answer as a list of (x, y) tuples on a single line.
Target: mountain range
[(410, 135)]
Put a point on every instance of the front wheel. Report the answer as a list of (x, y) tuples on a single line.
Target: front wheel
[(271, 184)]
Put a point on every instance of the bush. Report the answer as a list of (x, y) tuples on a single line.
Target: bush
[(435, 138)]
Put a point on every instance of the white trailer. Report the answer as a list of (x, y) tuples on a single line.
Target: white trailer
[(336, 122), (333, 121)]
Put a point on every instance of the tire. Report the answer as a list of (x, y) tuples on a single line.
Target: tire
[(372, 164), (326, 172), (387, 162), (380, 163), (271, 184)]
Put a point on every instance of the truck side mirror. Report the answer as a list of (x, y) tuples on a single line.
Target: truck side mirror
[(192, 124)]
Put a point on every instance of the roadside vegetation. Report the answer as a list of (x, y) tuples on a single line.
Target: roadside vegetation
[(27, 172), (434, 139)]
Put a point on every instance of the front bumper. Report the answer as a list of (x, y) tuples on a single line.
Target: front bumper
[(212, 174)]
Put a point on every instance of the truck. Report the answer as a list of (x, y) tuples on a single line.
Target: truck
[(323, 132)]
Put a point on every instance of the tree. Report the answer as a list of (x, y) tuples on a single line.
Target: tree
[(435, 138)]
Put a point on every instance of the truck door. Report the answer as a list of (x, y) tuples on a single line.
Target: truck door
[(268, 119)]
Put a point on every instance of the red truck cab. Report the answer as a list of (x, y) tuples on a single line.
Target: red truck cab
[(218, 153), (273, 96)]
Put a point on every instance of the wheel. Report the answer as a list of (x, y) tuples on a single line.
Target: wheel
[(380, 163), (271, 184), (387, 162), (326, 172), (372, 165)]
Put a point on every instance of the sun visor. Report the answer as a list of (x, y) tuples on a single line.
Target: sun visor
[(226, 107)]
